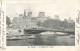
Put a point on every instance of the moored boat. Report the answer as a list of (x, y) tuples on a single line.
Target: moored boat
[(21, 37)]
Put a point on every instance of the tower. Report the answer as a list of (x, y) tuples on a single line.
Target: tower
[(41, 14), (30, 14), (24, 13)]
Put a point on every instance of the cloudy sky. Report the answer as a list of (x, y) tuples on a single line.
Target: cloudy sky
[(63, 8)]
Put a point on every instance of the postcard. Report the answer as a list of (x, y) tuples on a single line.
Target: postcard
[(35, 25)]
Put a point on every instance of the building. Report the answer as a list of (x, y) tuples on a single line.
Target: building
[(27, 21), (41, 14), (30, 14), (24, 15)]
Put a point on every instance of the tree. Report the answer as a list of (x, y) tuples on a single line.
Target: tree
[(39, 23), (8, 21), (65, 23), (51, 23)]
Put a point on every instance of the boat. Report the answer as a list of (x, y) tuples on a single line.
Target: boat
[(16, 38), (21, 37)]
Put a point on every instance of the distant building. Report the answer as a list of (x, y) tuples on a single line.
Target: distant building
[(21, 23), (41, 14), (30, 14), (24, 15), (27, 21)]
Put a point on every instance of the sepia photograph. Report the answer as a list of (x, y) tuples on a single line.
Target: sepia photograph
[(40, 23)]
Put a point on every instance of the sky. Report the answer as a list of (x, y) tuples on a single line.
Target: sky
[(63, 8)]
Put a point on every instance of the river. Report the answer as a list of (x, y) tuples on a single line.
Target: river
[(46, 39)]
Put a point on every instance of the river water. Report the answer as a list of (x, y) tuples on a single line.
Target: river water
[(46, 39)]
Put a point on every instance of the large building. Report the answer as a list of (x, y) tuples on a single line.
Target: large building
[(41, 17), (27, 21)]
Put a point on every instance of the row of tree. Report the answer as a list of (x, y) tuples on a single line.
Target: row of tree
[(51, 23)]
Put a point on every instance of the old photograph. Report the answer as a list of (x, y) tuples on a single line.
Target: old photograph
[(40, 23)]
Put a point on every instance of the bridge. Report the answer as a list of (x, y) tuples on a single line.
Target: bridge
[(37, 31)]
